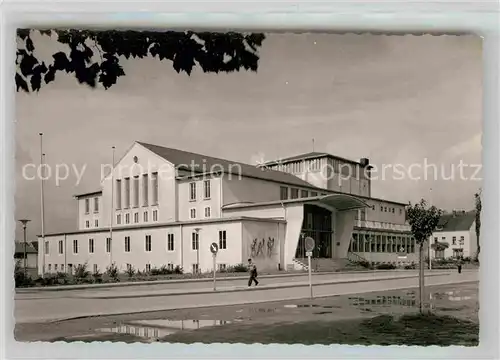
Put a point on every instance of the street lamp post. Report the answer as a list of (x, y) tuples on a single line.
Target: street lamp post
[(197, 230), (24, 222)]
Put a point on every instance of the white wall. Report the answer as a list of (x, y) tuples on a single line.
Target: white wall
[(344, 225), (265, 211), (262, 242), (294, 219), (469, 247), (91, 216), (185, 204)]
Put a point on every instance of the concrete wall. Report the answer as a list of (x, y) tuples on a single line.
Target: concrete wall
[(185, 204), (294, 219), (344, 224), (92, 215), (266, 211), (469, 247), (263, 242), (245, 189), (380, 210)]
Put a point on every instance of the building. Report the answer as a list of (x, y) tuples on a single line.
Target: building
[(162, 206), (455, 236), (31, 255)]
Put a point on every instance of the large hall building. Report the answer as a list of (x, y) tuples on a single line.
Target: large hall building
[(161, 206)]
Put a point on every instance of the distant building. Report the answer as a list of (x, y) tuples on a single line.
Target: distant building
[(457, 232), (31, 255), (166, 207)]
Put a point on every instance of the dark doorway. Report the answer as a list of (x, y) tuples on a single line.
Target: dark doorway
[(317, 224)]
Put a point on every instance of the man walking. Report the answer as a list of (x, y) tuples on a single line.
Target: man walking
[(253, 273)]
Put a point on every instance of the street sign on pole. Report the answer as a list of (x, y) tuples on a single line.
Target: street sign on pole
[(309, 245), (214, 248)]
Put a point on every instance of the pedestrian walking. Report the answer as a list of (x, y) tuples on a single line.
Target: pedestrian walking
[(253, 273), (459, 265)]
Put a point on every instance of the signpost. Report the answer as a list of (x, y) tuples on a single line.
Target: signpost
[(214, 248), (309, 245)]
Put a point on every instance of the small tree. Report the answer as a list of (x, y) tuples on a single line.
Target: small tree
[(479, 206), (423, 221)]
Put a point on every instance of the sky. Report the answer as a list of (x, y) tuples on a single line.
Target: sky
[(397, 100)]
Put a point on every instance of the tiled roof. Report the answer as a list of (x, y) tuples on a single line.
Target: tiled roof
[(203, 163), (457, 222)]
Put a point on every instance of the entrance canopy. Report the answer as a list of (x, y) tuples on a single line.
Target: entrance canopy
[(342, 202)]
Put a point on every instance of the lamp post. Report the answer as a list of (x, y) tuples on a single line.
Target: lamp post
[(197, 230), (24, 222)]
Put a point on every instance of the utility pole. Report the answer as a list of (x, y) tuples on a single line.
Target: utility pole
[(42, 202), (112, 212), (24, 222)]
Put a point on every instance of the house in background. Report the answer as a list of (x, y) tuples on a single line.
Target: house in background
[(31, 255), (457, 234)]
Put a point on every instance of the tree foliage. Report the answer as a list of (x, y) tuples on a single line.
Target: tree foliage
[(479, 206), (423, 220), (94, 56)]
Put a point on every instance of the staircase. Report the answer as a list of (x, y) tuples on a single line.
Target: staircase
[(320, 264), (355, 258)]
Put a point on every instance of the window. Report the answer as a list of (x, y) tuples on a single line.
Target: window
[(118, 219), (283, 193), (61, 247), (62, 267), (222, 240), (170, 242), (309, 222), (462, 240), (55, 267), (136, 191), (154, 186), (382, 209), (127, 193), (91, 246), (148, 243), (108, 245), (454, 240), (75, 246), (50, 267), (127, 218), (206, 187), (87, 206), (145, 215), (129, 267), (303, 194), (195, 241), (393, 210), (127, 243), (294, 193), (314, 193), (95, 268), (435, 240), (222, 267), (118, 194), (96, 223), (400, 211), (207, 212), (195, 268), (87, 224), (192, 191), (170, 266), (136, 218), (192, 213), (155, 215), (145, 193), (46, 248), (148, 267)]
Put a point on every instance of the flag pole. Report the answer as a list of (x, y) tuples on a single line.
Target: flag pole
[(112, 212), (429, 244), (42, 201)]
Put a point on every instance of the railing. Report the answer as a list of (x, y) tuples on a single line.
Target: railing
[(355, 258), (382, 225)]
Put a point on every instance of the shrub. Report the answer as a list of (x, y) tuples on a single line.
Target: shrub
[(237, 268), (112, 272), (178, 270), (411, 266), (81, 272), (386, 266), (130, 271), (97, 276), (20, 279)]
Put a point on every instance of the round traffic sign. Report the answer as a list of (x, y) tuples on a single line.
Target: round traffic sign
[(309, 243), (214, 248)]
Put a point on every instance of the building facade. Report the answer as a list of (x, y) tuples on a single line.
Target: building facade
[(160, 206), (455, 236)]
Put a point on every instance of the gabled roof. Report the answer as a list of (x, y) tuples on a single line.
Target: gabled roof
[(456, 222), (202, 163), (310, 155), (19, 248)]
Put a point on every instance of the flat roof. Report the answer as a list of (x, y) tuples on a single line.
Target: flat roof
[(98, 192)]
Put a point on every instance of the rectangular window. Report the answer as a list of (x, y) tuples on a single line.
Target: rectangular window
[(127, 218), (96, 223), (462, 240), (155, 215), (108, 245), (170, 266), (55, 267), (454, 240), (127, 193), (294, 193), (62, 267), (46, 248), (207, 212), (148, 267), (127, 243), (206, 186), (314, 193), (145, 192), (145, 216), (75, 246), (95, 268), (393, 210), (195, 268), (303, 194), (96, 205), (148, 243), (118, 219), (136, 191), (194, 241), (170, 242), (61, 247), (50, 267), (222, 240), (136, 218), (91, 246), (283, 193), (87, 224), (222, 267), (87, 206), (154, 187), (118, 194), (192, 213), (192, 191)]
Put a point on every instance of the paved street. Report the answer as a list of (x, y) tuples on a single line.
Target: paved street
[(50, 306)]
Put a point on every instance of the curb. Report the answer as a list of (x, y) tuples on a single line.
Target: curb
[(234, 303), (181, 281)]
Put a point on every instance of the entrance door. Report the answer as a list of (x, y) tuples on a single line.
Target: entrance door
[(318, 225)]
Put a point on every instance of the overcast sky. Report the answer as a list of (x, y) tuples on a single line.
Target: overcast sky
[(393, 99)]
